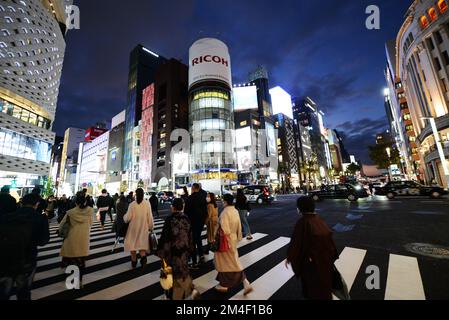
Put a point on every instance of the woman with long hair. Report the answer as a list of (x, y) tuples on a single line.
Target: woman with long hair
[(243, 208), (120, 226), (140, 219), (212, 219), (75, 248), (185, 193)]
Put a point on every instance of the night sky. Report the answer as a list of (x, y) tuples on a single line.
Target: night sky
[(318, 48)]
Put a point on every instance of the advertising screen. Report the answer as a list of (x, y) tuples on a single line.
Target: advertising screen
[(181, 163), (209, 60), (281, 102), (271, 140), (243, 137), (245, 98), (245, 160)]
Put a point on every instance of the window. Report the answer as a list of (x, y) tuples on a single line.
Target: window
[(8, 19), (439, 37), (407, 117), (430, 43), (424, 22), (404, 106), (432, 14), (409, 127), (412, 139), (442, 5), (437, 64), (444, 85), (445, 57), (243, 123)]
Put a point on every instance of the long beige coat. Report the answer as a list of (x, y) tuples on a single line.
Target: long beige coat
[(230, 223), (140, 220), (211, 222), (76, 244)]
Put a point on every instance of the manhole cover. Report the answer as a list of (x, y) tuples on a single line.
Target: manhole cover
[(428, 250)]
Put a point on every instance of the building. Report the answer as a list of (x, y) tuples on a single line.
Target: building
[(116, 179), (211, 119), (143, 64), (69, 160), (56, 156), (344, 153), (335, 150), (383, 137), (147, 129), (92, 170), (94, 132), (32, 47), (171, 112), (422, 65)]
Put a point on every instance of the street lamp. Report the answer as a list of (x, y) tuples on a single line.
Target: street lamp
[(388, 150), (439, 147)]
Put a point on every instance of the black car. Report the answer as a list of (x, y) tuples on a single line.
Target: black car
[(339, 191), (409, 188), (165, 197), (259, 194)]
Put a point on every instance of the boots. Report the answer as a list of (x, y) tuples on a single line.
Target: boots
[(143, 262)]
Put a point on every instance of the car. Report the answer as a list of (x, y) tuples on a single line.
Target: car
[(259, 194), (394, 189), (165, 197), (339, 191)]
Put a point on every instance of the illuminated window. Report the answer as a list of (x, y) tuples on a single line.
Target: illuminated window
[(442, 5), (424, 22), (243, 123), (432, 14)]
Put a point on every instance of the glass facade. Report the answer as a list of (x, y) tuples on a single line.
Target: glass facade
[(20, 146), (24, 115), (211, 109)]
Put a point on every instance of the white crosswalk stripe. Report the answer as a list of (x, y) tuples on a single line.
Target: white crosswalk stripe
[(109, 274)]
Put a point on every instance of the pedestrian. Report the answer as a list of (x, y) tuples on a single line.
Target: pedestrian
[(212, 219), (140, 219), (175, 247), (7, 202), (196, 210), (130, 197), (21, 232), (104, 207), (202, 192), (75, 248), (63, 206), (51, 207), (154, 201), (242, 205), (42, 203), (312, 252), (120, 227), (89, 200), (115, 199), (228, 265), (185, 194)]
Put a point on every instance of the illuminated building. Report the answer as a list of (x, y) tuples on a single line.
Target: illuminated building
[(421, 76), (32, 47), (211, 119), (116, 179)]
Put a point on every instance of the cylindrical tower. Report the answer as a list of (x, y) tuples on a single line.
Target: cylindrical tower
[(211, 120)]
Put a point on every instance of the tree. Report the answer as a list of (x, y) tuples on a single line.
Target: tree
[(378, 154), (310, 167), (48, 188), (352, 169)]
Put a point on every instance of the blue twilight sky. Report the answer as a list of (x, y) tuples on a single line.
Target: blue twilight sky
[(318, 48)]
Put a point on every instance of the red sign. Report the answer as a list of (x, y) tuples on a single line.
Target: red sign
[(92, 133)]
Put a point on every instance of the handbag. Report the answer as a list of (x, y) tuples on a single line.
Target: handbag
[(215, 246), (223, 243), (166, 277), (153, 243), (64, 229), (339, 286)]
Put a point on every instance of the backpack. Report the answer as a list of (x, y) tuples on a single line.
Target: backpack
[(15, 244)]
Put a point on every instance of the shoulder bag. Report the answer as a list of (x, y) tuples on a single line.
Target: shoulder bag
[(63, 231)]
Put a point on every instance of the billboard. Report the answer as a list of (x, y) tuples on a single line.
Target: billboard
[(181, 163), (243, 137), (245, 98), (245, 160), (281, 102), (271, 140), (93, 133), (209, 60)]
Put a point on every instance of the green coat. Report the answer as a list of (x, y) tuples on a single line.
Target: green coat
[(76, 245)]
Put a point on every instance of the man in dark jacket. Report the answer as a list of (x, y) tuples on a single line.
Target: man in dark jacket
[(22, 232), (154, 202), (312, 252), (7, 202), (196, 211), (42, 203)]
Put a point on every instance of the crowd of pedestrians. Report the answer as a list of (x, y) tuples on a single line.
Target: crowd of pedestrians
[(25, 226)]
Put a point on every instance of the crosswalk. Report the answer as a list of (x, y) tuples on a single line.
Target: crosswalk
[(109, 275)]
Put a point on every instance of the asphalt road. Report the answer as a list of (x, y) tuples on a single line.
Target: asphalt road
[(377, 225)]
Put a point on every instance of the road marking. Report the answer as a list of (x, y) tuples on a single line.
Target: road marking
[(139, 283), (348, 265), (404, 279), (267, 285)]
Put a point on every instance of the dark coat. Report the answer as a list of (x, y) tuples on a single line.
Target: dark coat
[(40, 234), (120, 227), (154, 202), (7, 203), (176, 244), (312, 254), (196, 209)]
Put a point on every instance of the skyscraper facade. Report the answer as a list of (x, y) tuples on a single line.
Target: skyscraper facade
[(32, 50)]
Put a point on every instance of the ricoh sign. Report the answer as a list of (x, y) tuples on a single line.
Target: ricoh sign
[(209, 60)]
